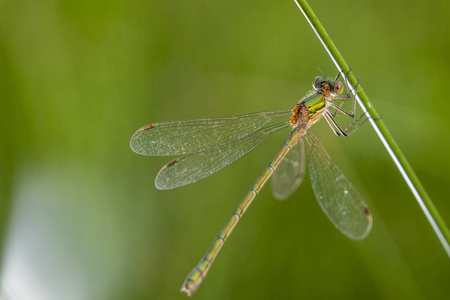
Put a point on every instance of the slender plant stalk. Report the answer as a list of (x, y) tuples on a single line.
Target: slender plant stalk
[(386, 138)]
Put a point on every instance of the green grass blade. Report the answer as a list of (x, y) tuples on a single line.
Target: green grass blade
[(413, 182)]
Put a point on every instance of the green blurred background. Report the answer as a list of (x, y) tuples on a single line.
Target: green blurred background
[(80, 217)]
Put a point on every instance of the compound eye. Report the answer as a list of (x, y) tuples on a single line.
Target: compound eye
[(317, 82), (338, 88)]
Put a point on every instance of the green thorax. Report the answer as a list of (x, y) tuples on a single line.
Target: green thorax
[(315, 103)]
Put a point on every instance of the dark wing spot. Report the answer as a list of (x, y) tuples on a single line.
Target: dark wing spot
[(171, 163), (367, 212), (147, 127)]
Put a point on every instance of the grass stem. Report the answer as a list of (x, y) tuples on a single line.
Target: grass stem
[(413, 182)]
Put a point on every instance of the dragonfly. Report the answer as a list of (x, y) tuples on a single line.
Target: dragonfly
[(210, 144)]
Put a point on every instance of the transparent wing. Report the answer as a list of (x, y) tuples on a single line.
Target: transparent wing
[(198, 165), (189, 136), (289, 173), (336, 195)]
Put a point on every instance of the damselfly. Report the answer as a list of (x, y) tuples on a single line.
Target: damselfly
[(208, 145)]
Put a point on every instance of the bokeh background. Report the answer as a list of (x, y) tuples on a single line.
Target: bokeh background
[(80, 217)]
